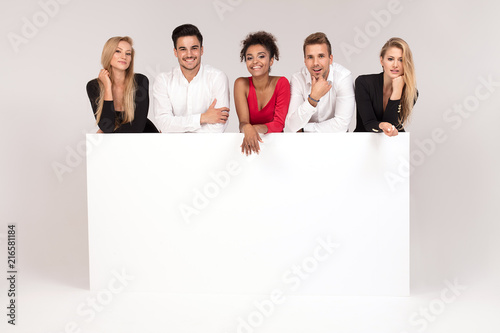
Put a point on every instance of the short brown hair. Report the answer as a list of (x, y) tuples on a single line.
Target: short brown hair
[(317, 38)]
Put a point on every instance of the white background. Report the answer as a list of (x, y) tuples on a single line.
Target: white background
[(45, 111)]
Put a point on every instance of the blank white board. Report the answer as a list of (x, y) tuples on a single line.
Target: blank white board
[(312, 214)]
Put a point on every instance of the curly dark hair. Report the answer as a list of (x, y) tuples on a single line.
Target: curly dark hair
[(260, 38)]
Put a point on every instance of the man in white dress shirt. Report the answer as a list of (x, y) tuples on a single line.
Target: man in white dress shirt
[(322, 96), (193, 97)]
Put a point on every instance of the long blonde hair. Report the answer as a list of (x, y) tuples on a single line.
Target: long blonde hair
[(409, 95), (130, 86)]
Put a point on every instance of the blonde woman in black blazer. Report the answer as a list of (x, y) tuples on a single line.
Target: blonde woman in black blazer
[(384, 101)]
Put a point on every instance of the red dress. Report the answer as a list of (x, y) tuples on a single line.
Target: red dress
[(274, 113)]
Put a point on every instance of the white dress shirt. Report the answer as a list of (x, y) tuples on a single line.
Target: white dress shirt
[(179, 104), (334, 110)]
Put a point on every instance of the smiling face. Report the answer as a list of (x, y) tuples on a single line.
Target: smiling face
[(392, 62), (317, 60), (122, 56), (258, 60), (188, 52)]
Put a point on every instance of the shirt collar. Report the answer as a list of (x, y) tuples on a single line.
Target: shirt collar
[(198, 76)]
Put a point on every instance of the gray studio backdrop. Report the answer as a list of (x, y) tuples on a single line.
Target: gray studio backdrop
[(51, 48)]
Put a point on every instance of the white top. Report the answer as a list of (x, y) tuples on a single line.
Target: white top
[(178, 104), (334, 110)]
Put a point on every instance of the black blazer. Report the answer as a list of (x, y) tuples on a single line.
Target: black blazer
[(369, 90), (140, 124)]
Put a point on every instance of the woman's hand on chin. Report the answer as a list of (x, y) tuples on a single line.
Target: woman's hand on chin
[(398, 83)]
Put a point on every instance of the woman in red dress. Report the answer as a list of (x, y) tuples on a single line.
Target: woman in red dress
[(261, 100)]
